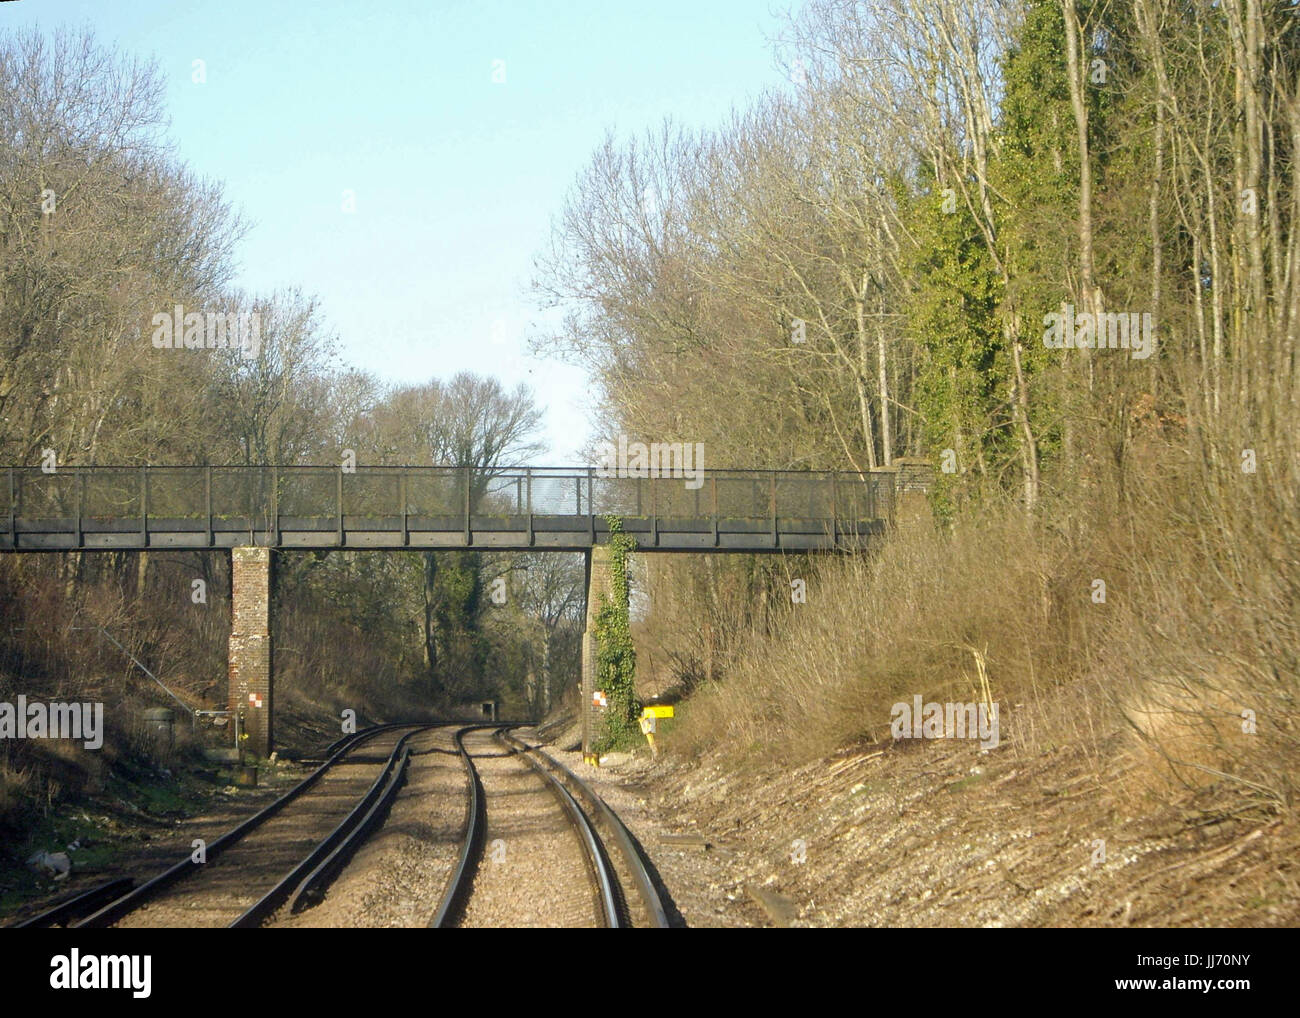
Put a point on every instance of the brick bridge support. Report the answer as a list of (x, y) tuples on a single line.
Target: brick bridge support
[(599, 586), (249, 655)]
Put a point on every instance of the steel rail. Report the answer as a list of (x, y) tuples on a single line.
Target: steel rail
[(79, 904), (339, 743), (606, 893), (150, 889), (311, 890), (632, 856), (456, 895), (305, 883)]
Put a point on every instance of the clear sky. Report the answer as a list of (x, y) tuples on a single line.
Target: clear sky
[(456, 176)]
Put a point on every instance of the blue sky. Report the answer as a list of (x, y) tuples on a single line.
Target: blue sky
[(456, 177)]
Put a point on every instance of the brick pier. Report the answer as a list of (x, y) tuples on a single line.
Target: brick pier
[(250, 645)]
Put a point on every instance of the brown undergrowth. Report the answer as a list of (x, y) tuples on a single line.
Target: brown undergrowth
[(1163, 613)]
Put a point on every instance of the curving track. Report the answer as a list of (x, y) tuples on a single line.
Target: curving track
[(534, 852), (405, 825)]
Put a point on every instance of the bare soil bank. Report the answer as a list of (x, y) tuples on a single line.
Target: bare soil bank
[(940, 834)]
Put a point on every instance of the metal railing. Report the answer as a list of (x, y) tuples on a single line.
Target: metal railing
[(260, 495)]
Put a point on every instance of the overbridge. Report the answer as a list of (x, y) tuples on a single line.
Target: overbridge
[(252, 511), (394, 508)]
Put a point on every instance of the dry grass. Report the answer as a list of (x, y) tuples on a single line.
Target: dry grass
[(1199, 625), (913, 621)]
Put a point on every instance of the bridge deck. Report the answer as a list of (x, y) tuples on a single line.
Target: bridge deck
[(105, 508)]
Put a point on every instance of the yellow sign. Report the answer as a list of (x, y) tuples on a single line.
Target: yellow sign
[(657, 710)]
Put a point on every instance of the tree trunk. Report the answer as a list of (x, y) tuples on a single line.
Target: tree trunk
[(864, 397), (1074, 68), (886, 436)]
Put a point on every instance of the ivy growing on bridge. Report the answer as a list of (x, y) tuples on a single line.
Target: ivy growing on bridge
[(615, 654)]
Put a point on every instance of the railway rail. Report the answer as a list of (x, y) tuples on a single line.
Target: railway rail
[(280, 861), (77, 906), (612, 874), (303, 816)]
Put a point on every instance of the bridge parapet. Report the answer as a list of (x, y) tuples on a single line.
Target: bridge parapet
[(429, 507)]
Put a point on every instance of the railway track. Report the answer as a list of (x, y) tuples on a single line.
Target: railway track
[(534, 846), (516, 868), (281, 857)]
